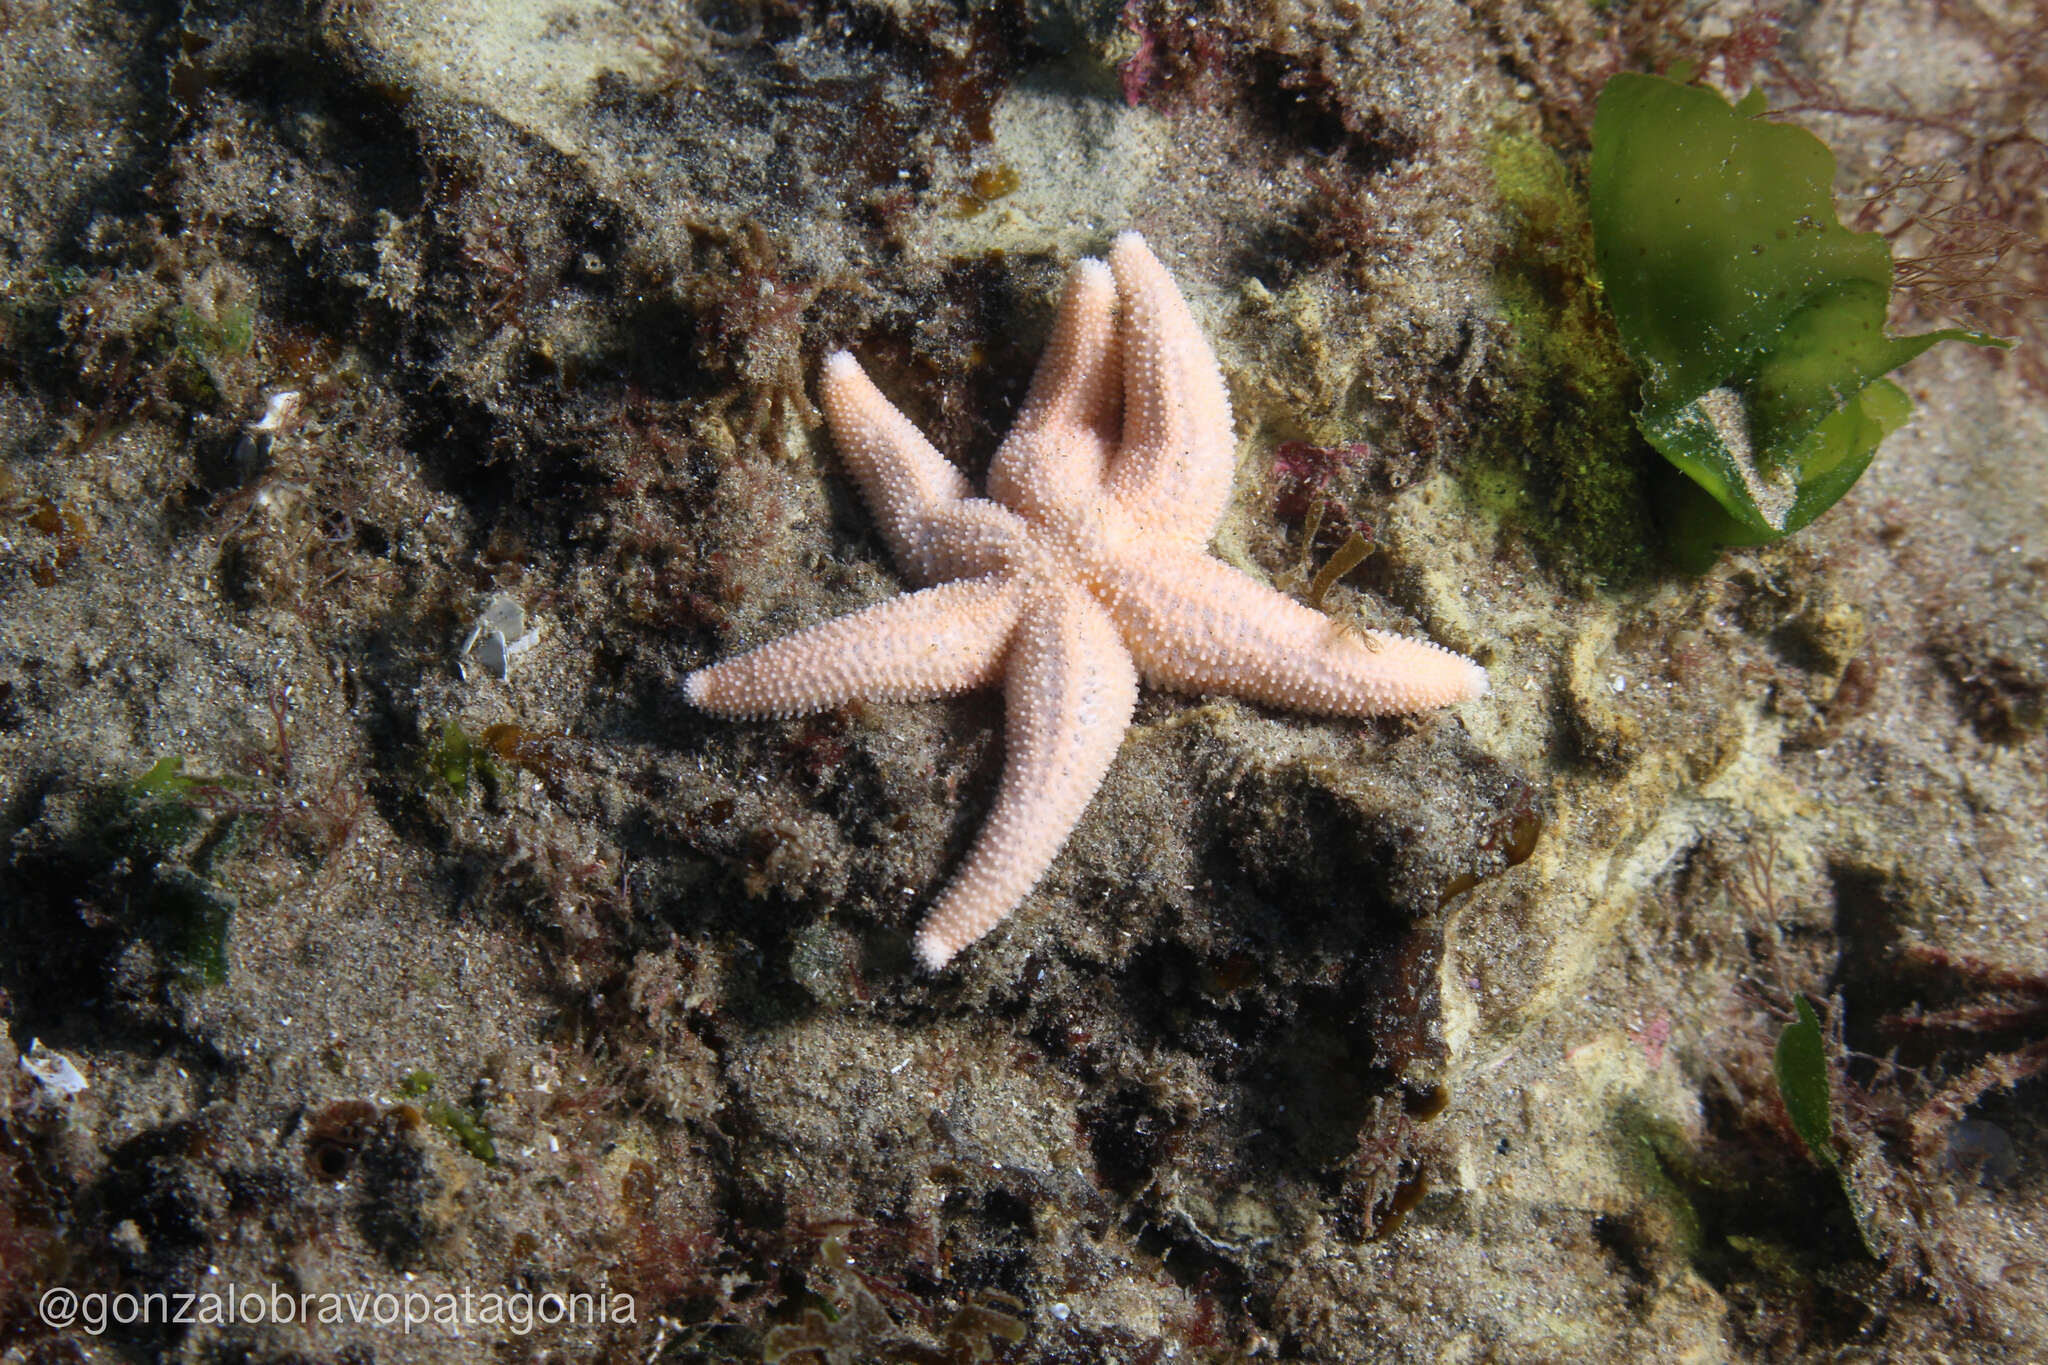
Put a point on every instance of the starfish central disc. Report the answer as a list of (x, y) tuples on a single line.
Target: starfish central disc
[(1085, 570)]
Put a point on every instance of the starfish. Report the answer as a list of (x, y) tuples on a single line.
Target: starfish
[(1085, 569)]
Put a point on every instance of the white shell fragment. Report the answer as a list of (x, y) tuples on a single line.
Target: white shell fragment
[(277, 413), (280, 414), (499, 636), (57, 1075)]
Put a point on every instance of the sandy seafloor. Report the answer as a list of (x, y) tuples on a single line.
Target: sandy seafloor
[(1441, 1038)]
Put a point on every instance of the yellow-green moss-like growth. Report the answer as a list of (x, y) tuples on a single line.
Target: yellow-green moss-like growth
[(1755, 318), (1574, 381)]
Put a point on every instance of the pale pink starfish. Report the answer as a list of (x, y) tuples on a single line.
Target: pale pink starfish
[(1085, 569)]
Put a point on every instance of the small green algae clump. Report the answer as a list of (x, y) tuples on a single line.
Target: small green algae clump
[(1755, 318), (466, 1125), (167, 831)]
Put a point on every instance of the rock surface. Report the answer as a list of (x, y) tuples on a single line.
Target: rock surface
[(1443, 1038)]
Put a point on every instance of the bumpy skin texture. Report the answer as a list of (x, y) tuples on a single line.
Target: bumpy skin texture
[(1086, 572)]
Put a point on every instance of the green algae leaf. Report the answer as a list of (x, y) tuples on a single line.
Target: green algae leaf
[(1755, 318), (1801, 1062), (1802, 1066)]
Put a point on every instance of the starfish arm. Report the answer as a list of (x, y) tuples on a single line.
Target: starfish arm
[(973, 538), (924, 644), (1179, 453), (1194, 624), (1070, 692), (904, 478), (1060, 439)]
